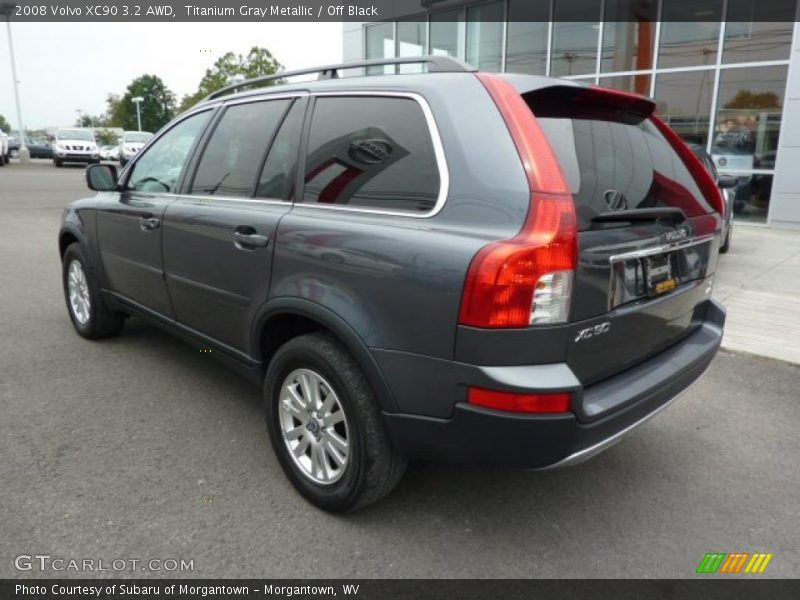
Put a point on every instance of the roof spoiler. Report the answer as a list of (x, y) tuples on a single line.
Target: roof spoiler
[(592, 102)]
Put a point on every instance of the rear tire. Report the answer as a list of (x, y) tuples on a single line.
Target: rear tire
[(371, 467), (88, 310)]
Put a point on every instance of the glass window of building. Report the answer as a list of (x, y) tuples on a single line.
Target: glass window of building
[(684, 101), (485, 36), (629, 35), (412, 40), (639, 84), (379, 44), (447, 33), (575, 34), (750, 42), (526, 37), (685, 41), (746, 133)]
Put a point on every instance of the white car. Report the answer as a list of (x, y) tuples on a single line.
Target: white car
[(5, 153), (131, 143), (109, 153), (75, 145)]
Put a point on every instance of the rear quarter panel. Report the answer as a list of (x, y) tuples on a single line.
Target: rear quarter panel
[(397, 280)]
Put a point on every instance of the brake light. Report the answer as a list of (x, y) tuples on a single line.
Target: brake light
[(558, 402), (708, 187), (526, 280), (537, 156)]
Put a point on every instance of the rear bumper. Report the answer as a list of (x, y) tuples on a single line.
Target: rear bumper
[(605, 412)]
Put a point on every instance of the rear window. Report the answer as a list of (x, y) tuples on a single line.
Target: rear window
[(611, 165)]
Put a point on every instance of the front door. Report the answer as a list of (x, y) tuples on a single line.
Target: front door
[(219, 236), (129, 222)]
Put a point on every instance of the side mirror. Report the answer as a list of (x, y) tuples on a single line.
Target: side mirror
[(101, 178), (726, 182)]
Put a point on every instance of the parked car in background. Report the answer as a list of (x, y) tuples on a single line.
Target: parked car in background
[(296, 229), (131, 143), (109, 153), (728, 184), (75, 145), (13, 147), (40, 148), (5, 150)]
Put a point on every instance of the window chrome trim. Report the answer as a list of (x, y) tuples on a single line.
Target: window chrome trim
[(264, 97), (438, 151), (661, 249)]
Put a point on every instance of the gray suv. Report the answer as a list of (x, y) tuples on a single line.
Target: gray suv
[(501, 269)]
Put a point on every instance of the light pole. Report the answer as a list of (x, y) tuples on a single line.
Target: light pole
[(138, 100), (24, 153)]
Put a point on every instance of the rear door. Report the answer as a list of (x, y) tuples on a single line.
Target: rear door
[(219, 235), (647, 242), (129, 222)]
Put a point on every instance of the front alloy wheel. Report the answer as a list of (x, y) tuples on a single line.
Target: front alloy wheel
[(314, 426), (78, 289)]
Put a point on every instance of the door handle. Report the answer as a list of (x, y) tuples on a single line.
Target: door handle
[(248, 241), (149, 223)]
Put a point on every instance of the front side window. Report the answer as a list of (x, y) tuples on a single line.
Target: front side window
[(159, 169), (371, 152), (234, 154)]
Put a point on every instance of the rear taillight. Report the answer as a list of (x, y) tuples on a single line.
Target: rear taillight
[(708, 187), (526, 280), (557, 402)]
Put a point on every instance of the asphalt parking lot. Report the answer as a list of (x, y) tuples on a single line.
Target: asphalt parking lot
[(142, 447)]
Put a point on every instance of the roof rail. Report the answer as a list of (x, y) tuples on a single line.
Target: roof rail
[(436, 64)]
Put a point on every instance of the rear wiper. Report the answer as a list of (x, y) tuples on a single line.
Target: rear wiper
[(670, 214)]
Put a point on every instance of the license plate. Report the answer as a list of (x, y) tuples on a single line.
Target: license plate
[(658, 274)]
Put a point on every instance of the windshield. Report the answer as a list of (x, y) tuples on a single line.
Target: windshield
[(137, 138), (75, 134)]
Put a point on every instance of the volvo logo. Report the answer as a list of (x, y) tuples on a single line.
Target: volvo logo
[(615, 200), (677, 235), (371, 152)]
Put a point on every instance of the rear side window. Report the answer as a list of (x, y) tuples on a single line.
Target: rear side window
[(611, 165), (278, 176), (235, 152), (371, 152)]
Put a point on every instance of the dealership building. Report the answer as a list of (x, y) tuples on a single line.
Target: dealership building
[(729, 86)]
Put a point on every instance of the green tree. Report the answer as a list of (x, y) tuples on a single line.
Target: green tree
[(157, 108), (257, 63), (4, 126), (746, 99), (91, 121), (106, 137)]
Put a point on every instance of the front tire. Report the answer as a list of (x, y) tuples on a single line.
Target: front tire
[(58, 163), (90, 315), (325, 426)]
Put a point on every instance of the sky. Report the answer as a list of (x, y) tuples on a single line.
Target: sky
[(62, 67)]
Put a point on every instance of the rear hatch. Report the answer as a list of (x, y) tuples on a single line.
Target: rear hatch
[(647, 233)]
